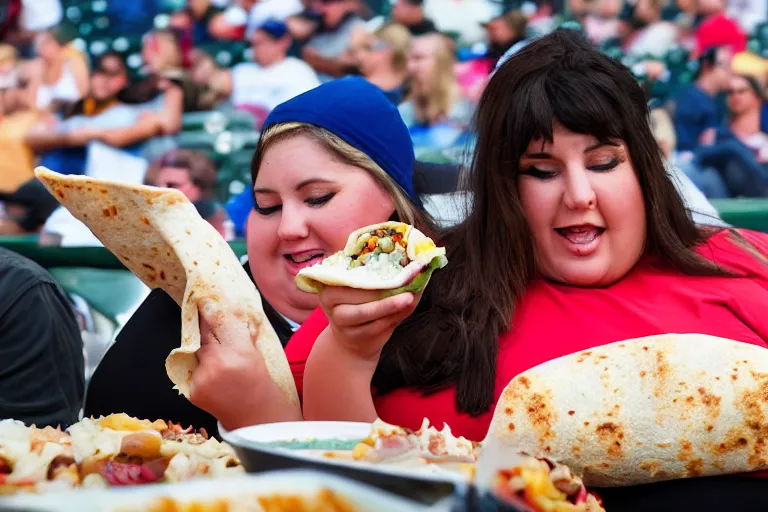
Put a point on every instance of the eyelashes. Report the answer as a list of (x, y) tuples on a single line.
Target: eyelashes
[(313, 202), (545, 175)]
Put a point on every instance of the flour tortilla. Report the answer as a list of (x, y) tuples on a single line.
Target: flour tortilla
[(414, 277), (159, 236), (643, 410)]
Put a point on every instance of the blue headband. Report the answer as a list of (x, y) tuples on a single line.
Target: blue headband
[(360, 114)]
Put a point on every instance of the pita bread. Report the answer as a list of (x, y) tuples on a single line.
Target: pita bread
[(644, 410), (424, 257), (159, 236)]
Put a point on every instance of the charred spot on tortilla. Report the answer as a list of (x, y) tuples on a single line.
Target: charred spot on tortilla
[(391, 257), (571, 413), (162, 246)]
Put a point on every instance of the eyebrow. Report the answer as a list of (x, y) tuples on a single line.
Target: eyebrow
[(301, 185), (544, 155)]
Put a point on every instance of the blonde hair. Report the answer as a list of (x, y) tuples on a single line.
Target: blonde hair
[(432, 105), (663, 129), (406, 210), (399, 40)]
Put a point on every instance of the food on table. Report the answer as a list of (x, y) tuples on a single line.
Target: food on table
[(110, 451), (392, 257), (545, 487), (324, 500), (644, 410), (391, 443), (158, 235)]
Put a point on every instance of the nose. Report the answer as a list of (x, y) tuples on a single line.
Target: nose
[(579, 194), (293, 224)]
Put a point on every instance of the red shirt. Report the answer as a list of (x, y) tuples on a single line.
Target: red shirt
[(720, 30), (554, 320)]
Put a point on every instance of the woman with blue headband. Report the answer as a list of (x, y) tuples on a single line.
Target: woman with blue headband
[(329, 161)]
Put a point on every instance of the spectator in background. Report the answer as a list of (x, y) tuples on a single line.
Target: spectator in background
[(25, 19), (60, 74), (274, 77), (26, 209), (326, 49), (434, 111), (718, 29), (651, 35), (695, 111), (42, 367), (599, 18), (504, 32), (194, 175), (196, 18), (740, 152), (410, 14), (99, 110), (382, 58)]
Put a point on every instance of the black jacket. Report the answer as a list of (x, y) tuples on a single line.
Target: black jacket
[(42, 376), (132, 379)]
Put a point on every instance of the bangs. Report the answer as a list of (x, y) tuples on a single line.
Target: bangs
[(588, 103)]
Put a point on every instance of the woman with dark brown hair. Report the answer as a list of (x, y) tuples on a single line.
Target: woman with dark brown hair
[(577, 238)]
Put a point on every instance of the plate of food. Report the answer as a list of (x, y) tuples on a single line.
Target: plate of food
[(280, 491), (111, 451), (427, 464)]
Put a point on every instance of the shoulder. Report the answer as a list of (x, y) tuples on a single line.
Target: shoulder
[(738, 250), (17, 275)]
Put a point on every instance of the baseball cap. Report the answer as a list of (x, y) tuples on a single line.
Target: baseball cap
[(37, 202), (274, 28)]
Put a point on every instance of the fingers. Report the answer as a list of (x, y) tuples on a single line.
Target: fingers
[(350, 315), (334, 295)]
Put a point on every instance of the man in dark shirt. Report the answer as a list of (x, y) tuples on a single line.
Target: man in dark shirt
[(42, 369), (695, 111), (410, 13)]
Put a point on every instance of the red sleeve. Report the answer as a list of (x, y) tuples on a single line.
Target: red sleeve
[(747, 257), (301, 343)]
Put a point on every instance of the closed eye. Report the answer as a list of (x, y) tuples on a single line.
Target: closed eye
[(320, 201), (266, 211), (605, 167), (538, 173)]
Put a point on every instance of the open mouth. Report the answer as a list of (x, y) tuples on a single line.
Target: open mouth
[(303, 258), (583, 234)]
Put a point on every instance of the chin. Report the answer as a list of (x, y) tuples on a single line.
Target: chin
[(585, 275)]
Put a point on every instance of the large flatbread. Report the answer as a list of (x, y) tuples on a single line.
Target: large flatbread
[(159, 236), (644, 410)]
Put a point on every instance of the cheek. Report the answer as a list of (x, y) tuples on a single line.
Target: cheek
[(540, 201), (348, 212), (260, 236)]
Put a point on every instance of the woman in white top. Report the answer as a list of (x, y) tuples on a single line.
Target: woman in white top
[(62, 71)]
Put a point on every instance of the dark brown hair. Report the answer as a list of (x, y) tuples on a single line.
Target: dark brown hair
[(452, 337)]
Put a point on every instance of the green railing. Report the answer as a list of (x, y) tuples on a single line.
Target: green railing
[(91, 257)]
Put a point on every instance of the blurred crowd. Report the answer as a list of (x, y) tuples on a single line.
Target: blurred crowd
[(173, 93)]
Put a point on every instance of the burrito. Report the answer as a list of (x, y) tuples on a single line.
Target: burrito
[(633, 412), (392, 257), (159, 236)]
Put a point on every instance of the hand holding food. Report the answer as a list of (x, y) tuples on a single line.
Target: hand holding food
[(367, 289), (232, 381), (158, 235), (361, 322)]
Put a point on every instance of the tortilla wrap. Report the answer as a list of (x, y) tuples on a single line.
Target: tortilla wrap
[(159, 236), (423, 256), (638, 411)]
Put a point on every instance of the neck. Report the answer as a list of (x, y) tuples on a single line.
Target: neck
[(746, 123), (706, 84), (386, 79)]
